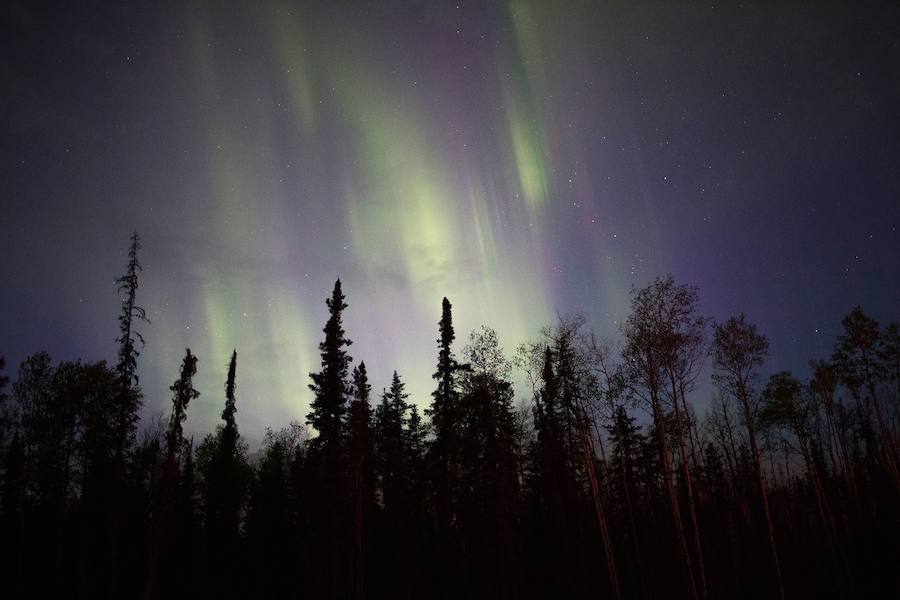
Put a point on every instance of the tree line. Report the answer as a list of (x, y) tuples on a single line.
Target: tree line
[(600, 481)]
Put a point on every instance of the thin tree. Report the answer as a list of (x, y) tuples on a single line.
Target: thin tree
[(130, 396), (444, 422), (183, 393), (681, 339), (857, 358), (646, 330), (362, 479), (572, 381), (224, 471), (738, 352), (785, 406)]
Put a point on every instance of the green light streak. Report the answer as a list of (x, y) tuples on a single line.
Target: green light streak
[(522, 116), (288, 39), (528, 153), (405, 215)]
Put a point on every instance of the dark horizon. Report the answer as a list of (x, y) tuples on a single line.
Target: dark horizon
[(519, 158)]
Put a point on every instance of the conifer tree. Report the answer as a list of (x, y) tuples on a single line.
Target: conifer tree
[(361, 438), (181, 561), (330, 511), (553, 487), (330, 384), (389, 442), (182, 393), (626, 439), (489, 470), (416, 549), (362, 479), (130, 396), (572, 382), (165, 530), (225, 485), (224, 477), (444, 423), (414, 441), (230, 432)]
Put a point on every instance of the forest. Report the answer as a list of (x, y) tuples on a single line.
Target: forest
[(597, 480)]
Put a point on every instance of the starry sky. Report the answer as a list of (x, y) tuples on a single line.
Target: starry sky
[(523, 158)]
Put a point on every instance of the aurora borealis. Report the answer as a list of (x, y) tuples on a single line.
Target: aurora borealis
[(522, 158)]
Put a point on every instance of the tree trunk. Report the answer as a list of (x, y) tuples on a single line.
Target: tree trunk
[(673, 500), (598, 506), (626, 488), (764, 496), (688, 481)]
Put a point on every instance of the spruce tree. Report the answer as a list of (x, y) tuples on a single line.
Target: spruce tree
[(182, 393), (270, 533), (361, 438), (230, 432), (330, 384), (362, 473), (168, 515), (330, 511), (130, 396), (414, 435), (224, 472), (389, 417), (489, 472), (445, 424), (181, 557), (626, 439), (224, 479)]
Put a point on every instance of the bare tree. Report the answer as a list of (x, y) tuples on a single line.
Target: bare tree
[(738, 351), (649, 354)]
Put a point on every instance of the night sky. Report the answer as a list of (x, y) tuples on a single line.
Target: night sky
[(522, 158)]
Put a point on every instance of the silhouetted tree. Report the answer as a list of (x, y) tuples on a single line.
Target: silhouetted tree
[(442, 454), (224, 467), (275, 540), (330, 385), (166, 516), (738, 352), (328, 460), (444, 421), (490, 502), (651, 334), (129, 400), (492, 498), (785, 406), (857, 359), (363, 473), (389, 416)]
